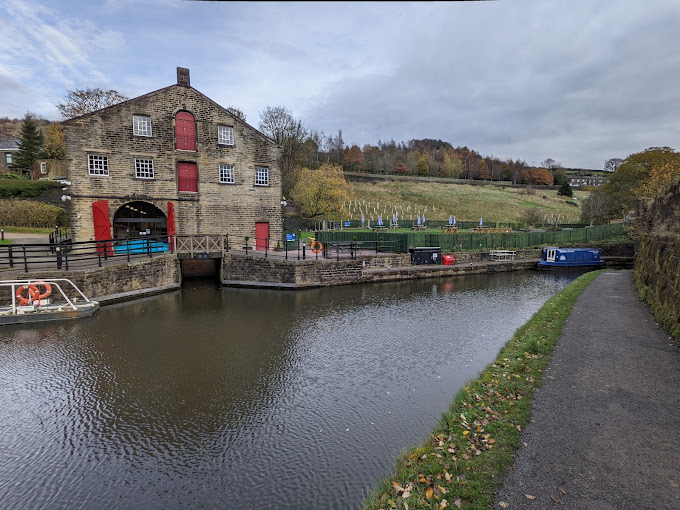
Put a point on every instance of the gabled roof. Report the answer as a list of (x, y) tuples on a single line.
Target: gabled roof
[(160, 91), (9, 142)]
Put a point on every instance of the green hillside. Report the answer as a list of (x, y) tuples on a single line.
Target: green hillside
[(466, 202)]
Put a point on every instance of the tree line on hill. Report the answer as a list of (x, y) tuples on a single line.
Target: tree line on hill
[(312, 154)]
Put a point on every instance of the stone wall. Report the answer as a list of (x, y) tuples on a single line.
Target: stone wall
[(657, 278), (144, 275), (216, 208), (253, 271)]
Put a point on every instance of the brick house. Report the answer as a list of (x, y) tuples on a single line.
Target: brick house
[(172, 162)]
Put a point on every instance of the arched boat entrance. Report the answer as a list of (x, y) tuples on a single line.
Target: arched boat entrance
[(139, 219)]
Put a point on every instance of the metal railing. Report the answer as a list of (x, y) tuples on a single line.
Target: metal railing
[(81, 255)]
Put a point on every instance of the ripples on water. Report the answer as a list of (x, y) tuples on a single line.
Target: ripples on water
[(238, 398)]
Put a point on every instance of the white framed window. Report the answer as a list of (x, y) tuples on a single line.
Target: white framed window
[(227, 174), (97, 165), (8, 158), (43, 167), (225, 135), (261, 176), (141, 125), (144, 168)]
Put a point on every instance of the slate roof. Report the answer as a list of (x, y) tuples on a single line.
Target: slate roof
[(8, 142)]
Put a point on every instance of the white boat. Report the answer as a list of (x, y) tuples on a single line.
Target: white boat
[(43, 299)]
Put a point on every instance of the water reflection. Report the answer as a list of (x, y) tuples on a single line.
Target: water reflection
[(241, 398)]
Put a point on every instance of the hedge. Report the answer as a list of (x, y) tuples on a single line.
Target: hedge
[(26, 213)]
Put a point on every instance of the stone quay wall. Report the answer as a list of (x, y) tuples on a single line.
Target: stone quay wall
[(122, 282)]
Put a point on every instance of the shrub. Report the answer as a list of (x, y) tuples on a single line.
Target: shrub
[(18, 187), (25, 213)]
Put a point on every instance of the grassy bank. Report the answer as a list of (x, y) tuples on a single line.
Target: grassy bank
[(469, 202), (464, 459)]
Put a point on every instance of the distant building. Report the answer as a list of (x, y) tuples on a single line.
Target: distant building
[(579, 181), (9, 146), (171, 162)]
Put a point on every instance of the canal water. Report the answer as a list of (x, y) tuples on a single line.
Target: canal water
[(248, 399)]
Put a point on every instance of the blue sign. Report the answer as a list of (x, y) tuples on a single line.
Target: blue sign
[(347, 223), (290, 237)]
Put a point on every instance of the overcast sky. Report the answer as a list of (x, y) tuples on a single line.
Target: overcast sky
[(578, 81)]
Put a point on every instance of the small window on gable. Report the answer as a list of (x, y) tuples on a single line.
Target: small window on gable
[(227, 174), (144, 168), (97, 165), (141, 125), (43, 167), (225, 135), (261, 176)]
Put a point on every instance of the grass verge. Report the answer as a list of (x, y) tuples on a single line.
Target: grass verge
[(464, 459)]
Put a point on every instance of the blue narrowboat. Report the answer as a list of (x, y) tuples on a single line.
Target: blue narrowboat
[(554, 257)]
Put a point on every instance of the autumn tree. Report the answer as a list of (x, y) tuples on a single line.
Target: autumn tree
[(79, 102), (423, 167), (625, 186), (537, 176), (288, 132), (401, 168), (321, 193), (353, 159), (54, 146), (659, 177), (31, 141)]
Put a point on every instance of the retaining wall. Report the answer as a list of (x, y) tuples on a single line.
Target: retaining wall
[(657, 279)]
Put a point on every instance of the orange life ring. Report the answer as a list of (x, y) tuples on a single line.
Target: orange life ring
[(32, 292), (316, 246), (48, 290)]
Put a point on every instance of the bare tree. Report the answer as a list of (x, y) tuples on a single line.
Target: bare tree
[(79, 102), (237, 112), (612, 164), (289, 133)]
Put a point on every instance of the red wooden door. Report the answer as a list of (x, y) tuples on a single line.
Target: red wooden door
[(102, 225), (261, 235), (185, 131), (187, 177)]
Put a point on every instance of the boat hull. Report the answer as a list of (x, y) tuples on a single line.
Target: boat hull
[(46, 313), (543, 265)]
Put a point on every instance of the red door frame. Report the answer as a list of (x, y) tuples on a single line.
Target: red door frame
[(261, 235)]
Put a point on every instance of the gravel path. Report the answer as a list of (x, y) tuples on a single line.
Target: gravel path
[(605, 431)]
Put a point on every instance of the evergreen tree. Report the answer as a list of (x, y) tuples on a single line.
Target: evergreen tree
[(565, 189), (30, 144)]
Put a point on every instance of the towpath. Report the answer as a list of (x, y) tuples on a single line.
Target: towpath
[(605, 430)]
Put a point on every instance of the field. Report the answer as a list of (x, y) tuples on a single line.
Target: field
[(465, 202)]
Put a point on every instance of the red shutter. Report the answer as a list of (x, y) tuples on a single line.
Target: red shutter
[(261, 235), (171, 226), (185, 131), (171, 219), (187, 177), (102, 224)]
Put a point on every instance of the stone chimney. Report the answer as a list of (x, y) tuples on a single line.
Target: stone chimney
[(183, 77)]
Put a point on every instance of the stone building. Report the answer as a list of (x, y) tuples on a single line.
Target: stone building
[(172, 162), (9, 146)]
